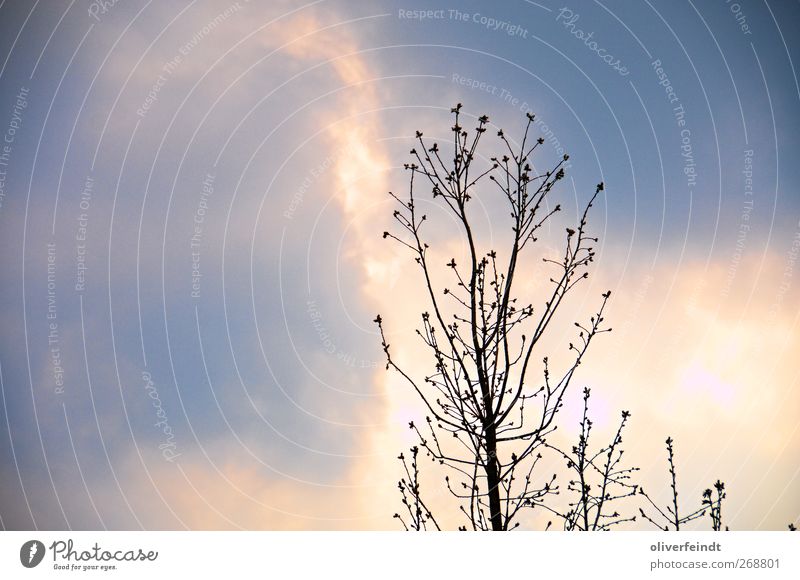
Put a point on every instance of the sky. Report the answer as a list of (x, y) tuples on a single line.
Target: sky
[(192, 201)]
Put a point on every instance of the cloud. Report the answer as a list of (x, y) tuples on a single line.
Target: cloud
[(715, 373)]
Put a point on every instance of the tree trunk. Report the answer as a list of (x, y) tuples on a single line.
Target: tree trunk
[(493, 477)]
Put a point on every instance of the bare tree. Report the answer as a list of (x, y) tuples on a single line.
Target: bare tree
[(599, 480), (419, 516), (714, 505), (489, 411), (669, 517)]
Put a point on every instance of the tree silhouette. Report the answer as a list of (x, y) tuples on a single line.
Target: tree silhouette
[(598, 480), (489, 412), (669, 518)]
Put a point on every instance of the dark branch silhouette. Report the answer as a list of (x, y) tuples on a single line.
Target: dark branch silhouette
[(714, 505), (419, 516), (669, 517), (599, 480)]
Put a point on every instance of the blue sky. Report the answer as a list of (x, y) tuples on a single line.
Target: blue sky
[(268, 371)]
